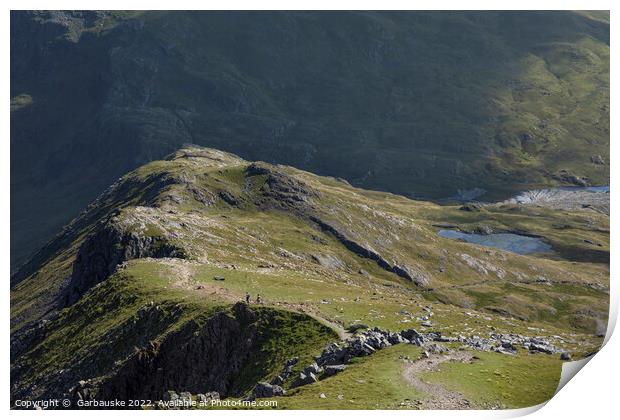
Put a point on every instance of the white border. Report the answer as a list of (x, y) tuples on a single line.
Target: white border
[(592, 395)]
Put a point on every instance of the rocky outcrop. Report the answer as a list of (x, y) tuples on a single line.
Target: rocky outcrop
[(281, 190), (286, 371), (266, 390), (22, 339), (336, 356), (108, 247), (196, 358), (416, 276), (328, 261)]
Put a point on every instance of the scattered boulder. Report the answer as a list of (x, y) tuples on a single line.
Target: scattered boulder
[(209, 396), (265, 390), (434, 348), (507, 347), (312, 368), (413, 336), (170, 396), (565, 356), (353, 328), (185, 396), (305, 379), (286, 371), (396, 338), (336, 356), (332, 370), (333, 354), (278, 380), (541, 348)]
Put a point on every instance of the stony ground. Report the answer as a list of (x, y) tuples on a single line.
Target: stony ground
[(439, 398)]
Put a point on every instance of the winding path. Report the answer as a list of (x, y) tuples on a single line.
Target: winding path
[(439, 397)]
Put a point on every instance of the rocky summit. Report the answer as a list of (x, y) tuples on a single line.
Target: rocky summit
[(204, 277)]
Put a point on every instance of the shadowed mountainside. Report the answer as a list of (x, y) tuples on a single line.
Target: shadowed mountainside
[(416, 103)]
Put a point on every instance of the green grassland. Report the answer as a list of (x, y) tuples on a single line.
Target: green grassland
[(513, 382), (312, 285), (374, 382)]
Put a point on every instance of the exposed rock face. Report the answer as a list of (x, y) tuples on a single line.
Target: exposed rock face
[(328, 261), (109, 246), (281, 190), (196, 359), (417, 277), (229, 198)]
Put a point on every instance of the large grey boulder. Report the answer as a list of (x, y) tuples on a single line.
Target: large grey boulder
[(305, 379), (396, 338), (312, 368), (413, 336), (265, 390), (331, 370)]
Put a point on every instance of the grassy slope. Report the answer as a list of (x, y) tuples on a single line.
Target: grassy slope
[(376, 382), (514, 382), (269, 252), (373, 382), (419, 104), (95, 336)]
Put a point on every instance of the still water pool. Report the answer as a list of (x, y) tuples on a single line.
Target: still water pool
[(519, 244)]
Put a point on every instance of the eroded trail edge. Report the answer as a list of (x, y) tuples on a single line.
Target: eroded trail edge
[(439, 398)]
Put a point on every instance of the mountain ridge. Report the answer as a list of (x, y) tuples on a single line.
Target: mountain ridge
[(171, 249), (421, 104)]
